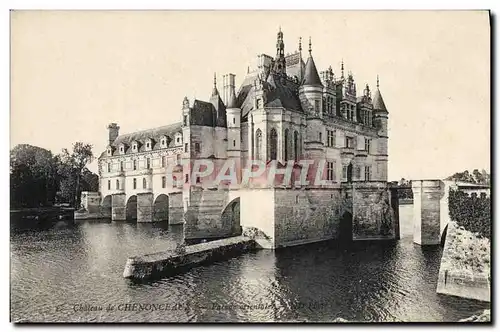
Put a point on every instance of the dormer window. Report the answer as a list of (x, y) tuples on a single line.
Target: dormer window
[(148, 145), (109, 151), (178, 140), (121, 149)]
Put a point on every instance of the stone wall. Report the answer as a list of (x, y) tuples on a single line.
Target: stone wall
[(373, 215), (304, 216), (203, 215), (427, 204), (460, 278), (118, 207), (175, 209)]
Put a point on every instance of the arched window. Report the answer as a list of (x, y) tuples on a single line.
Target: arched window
[(273, 144), (296, 145), (117, 184), (286, 145), (144, 183), (258, 144)]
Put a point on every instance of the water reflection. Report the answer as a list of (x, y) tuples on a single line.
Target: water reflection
[(52, 270)]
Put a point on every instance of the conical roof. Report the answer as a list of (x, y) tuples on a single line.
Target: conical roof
[(231, 103), (311, 76), (378, 101)]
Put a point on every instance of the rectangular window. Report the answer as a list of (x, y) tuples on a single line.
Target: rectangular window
[(368, 173), (349, 142), (234, 120), (185, 120), (109, 184), (358, 172), (316, 106), (135, 184), (163, 181), (234, 143), (197, 148), (367, 145), (344, 172), (320, 136), (121, 166), (135, 165), (117, 184), (330, 171), (331, 138), (163, 161), (185, 147), (148, 163), (198, 179), (187, 178), (109, 167)]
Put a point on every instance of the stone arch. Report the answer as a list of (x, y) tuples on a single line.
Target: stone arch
[(231, 216), (285, 146), (345, 227), (273, 144), (296, 145), (106, 205), (349, 172), (131, 208), (160, 208), (258, 144)]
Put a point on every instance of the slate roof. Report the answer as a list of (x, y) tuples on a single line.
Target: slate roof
[(277, 93), (378, 102), (141, 136), (311, 76)]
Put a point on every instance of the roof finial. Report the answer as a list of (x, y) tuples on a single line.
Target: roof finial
[(215, 80), (248, 70), (342, 68), (378, 83), (280, 28), (300, 44), (310, 45)]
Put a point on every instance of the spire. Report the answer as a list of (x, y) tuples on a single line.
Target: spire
[(300, 44), (311, 76), (232, 99), (342, 69), (280, 62), (378, 101), (214, 91)]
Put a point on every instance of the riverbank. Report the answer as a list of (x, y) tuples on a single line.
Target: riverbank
[(484, 317), (465, 269)]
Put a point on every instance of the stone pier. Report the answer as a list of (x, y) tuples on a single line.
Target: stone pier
[(427, 205), (175, 209), (118, 207), (145, 207)]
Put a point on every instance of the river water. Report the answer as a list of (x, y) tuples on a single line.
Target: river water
[(73, 273)]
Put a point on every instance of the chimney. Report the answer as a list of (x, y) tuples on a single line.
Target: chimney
[(113, 129), (228, 86)]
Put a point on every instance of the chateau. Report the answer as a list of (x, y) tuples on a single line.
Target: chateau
[(284, 111)]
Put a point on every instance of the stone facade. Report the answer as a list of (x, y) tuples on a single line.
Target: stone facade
[(285, 111)]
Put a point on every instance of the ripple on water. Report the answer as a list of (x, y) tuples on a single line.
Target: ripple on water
[(54, 270)]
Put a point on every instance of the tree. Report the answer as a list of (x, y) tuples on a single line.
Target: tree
[(33, 176), (72, 167)]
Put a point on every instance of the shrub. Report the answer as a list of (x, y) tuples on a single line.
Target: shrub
[(471, 212)]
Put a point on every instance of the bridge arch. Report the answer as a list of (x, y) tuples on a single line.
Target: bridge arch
[(345, 227), (106, 206), (160, 208), (230, 216), (131, 208)]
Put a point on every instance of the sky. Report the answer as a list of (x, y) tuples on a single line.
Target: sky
[(73, 73)]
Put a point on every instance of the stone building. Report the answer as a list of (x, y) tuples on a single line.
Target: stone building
[(284, 110)]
